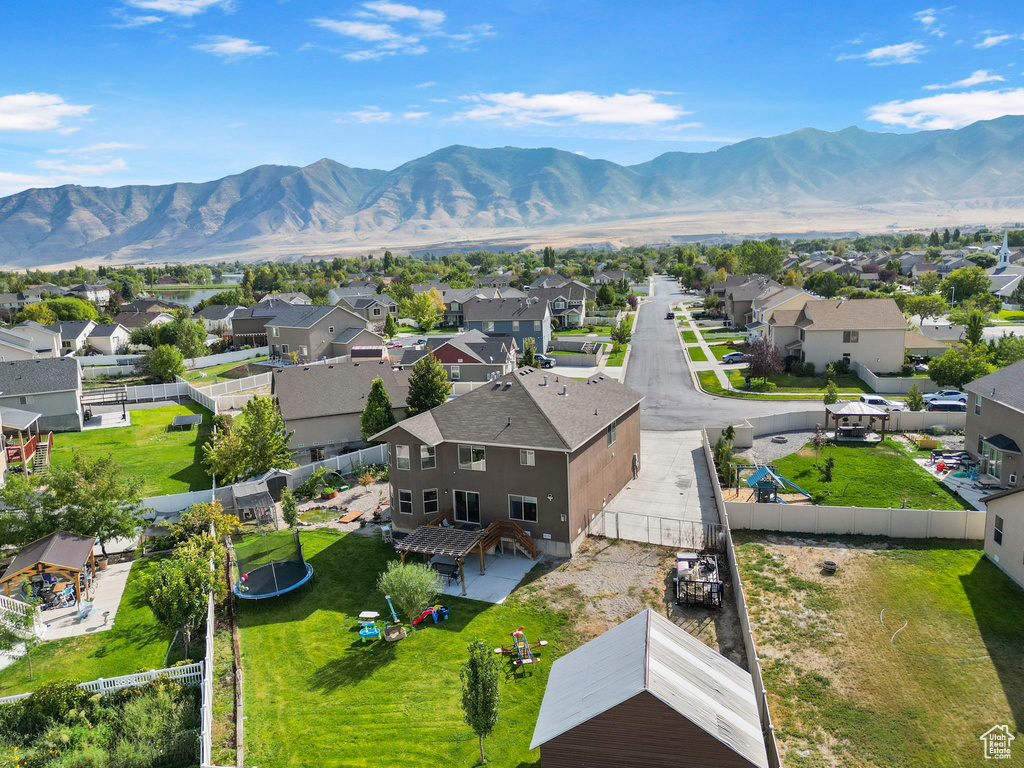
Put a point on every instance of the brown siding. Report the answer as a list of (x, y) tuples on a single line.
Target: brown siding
[(598, 471), (641, 732)]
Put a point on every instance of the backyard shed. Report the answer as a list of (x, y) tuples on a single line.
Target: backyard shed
[(61, 554), (648, 682)]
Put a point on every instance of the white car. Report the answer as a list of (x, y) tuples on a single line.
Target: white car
[(881, 402), (946, 394), (735, 357)]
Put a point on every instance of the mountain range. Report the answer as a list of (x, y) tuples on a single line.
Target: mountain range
[(462, 192)]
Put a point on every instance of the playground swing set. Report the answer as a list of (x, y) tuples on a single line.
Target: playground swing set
[(520, 650)]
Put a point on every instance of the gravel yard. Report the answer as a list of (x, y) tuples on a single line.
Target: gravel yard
[(764, 451)]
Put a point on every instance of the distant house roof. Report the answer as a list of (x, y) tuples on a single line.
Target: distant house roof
[(462, 295), (784, 317), (1002, 386), (424, 287), (477, 346), (105, 330), (155, 306), (60, 548), (300, 316), (478, 310), (648, 653), (852, 315), (373, 299), (527, 408), (506, 292), (139, 319), (72, 329), (217, 312), (30, 377), (314, 391), (917, 340), (294, 297)]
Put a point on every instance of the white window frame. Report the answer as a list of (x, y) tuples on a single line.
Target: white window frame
[(402, 502), (977, 405), (400, 459), (376, 311), (303, 350), (275, 331), (997, 530), (475, 466), (456, 374), (455, 506), (488, 326), (523, 501), (527, 458), (611, 433), (428, 454), (851, 337), (436, 502), (515, 325), (330, 329)]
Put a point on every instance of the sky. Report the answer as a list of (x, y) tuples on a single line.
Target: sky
[(119, 92)]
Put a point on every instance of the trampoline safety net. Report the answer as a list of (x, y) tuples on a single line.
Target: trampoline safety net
[(269, 564)]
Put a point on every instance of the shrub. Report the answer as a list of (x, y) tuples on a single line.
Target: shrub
[(906, 370), (51, 701), (936, 431), (762, 386), (842, 366)]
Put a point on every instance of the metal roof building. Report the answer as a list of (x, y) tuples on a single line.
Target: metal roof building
[(647, 693)]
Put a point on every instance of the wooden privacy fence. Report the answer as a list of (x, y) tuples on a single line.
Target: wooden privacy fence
[(187, 674)]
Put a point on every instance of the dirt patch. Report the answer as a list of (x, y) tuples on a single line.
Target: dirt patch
[(607, 582), (747, 494)]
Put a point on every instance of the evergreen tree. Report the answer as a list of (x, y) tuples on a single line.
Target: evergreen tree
[(933, 240), (480, 694), (389, 261), (289, 507), (530, 353), (915, 400), (377, 413), (428, 386), (390, 326), (549, 257)]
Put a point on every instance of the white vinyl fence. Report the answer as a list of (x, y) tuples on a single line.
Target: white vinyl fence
[(147, 393), (10, 605), (375, 454), (893, 385), (187, 674), (194, 363)]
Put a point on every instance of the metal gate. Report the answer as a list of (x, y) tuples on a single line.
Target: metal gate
[(660, 531)]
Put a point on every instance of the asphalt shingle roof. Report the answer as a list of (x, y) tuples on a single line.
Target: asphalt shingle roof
[(29, 377), (216, 312), (504, 309), (1003, 386), (314, 391), (60, 548), (852, 315)]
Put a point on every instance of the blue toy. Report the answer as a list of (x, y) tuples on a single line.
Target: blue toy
[(368, 629)]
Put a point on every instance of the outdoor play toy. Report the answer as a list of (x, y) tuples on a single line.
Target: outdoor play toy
[(521, 650), (368, 629), (436, 612)]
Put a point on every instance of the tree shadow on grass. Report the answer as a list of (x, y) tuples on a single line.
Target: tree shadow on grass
[(359, 662)]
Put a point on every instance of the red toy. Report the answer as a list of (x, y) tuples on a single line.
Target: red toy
[(521, 648)]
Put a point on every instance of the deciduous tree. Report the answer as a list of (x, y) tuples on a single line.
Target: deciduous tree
[(480, 694), (765, 359), (530, 353), (964, 283), (959, 366), (163, 363), (256, 444), (915, 400), (411, 586), (425, 308)]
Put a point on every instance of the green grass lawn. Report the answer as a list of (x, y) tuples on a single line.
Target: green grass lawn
[(617, 358), (843, 690), (316, 695), (449, 330), (1011, 314), (598, 330), (135, 642), (168, 462), (214, 374), (721, 350), (869, 475), (689, 337), (848, 384), (696, 354)]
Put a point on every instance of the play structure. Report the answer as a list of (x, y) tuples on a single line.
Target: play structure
[(767, 484), (521, 650), (393, 632), (436, 612), (275, 569), (368, 629)]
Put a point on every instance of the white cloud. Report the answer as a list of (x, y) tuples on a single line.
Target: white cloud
[(472, 34), (83, 169), (231, 48), (130, 22), (929, 19), (186, 8), (901, 53), (370, 115), (439, 101), (414, 115), (36, 111), (977, 78), (428, 84), (950, 110), (993, 40), (361, 30), (93, 148), (573, 106), (425, 18)]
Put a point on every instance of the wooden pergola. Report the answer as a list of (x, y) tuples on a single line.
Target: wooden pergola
[(60, 553), (456, 543)]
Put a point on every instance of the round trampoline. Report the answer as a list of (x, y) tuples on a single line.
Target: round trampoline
[(269, 565)]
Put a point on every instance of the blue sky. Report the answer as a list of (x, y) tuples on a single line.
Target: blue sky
[(154, 91)]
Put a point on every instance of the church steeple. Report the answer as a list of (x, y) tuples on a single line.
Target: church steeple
[(1004, 252)]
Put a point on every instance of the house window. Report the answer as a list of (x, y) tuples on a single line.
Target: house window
[(536, 325), (303, 351), (405, 502), (26, 399), (467, 506), (428, 459), (274, 331), (611, 433), (285, 349), (376, 311), (316, 454), (454, 306), (515, 325), (330, 329), (488, 326), (851, 337), (430, 501), (995, 463), (977, 405), (522, 508), (472, 457), (402, 457), (997, 530), (526, 458), (455, 373), (559, 305)]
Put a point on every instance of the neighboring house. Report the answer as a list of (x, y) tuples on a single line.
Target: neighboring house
[(995, 425), (12, 301), (132, 320), (871, 332), (648, 694), (317, 332), (739, 298), (151, 306), (34, 293), (323, 404), (470, 356), (424, 287), (216, 318), (567, 302), (521, 319), (99, 294), (14, 346), (541, 450), (45, 341), (295, 297), (109, 339), (336, 294), (491, 281), (167, 280), (1004, 531), (923, 268), (74, 334), (919, 345), (51, 388), (612, 276), (455, 298), (363, 285), (773, 300), (1004, 284), (373, 308)]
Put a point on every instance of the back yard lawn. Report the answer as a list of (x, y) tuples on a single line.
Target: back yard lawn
[(868, 475), (847, 686), (225, 372), (786, 383), (316, 695), (167, 462), (136, 641)]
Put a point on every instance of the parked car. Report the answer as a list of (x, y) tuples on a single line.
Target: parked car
[(881, 402), (947, 405), (946, 394), (545, 361), (421, 341), (697, 305), (670, 315), (394, 345), (735, 357)]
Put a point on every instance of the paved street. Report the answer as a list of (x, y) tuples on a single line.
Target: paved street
[(658, 370)]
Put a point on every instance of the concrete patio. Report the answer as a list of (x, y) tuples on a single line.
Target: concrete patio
[(107, 421), (108, 588), (503, 574), (962, 485)]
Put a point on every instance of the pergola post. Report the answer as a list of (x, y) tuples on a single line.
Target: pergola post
[(480, 546), (462, 576)]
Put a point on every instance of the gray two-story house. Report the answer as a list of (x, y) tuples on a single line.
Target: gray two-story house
[(522, 319), (995, 425), (470, 356), (374, 308), (317, 332)]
